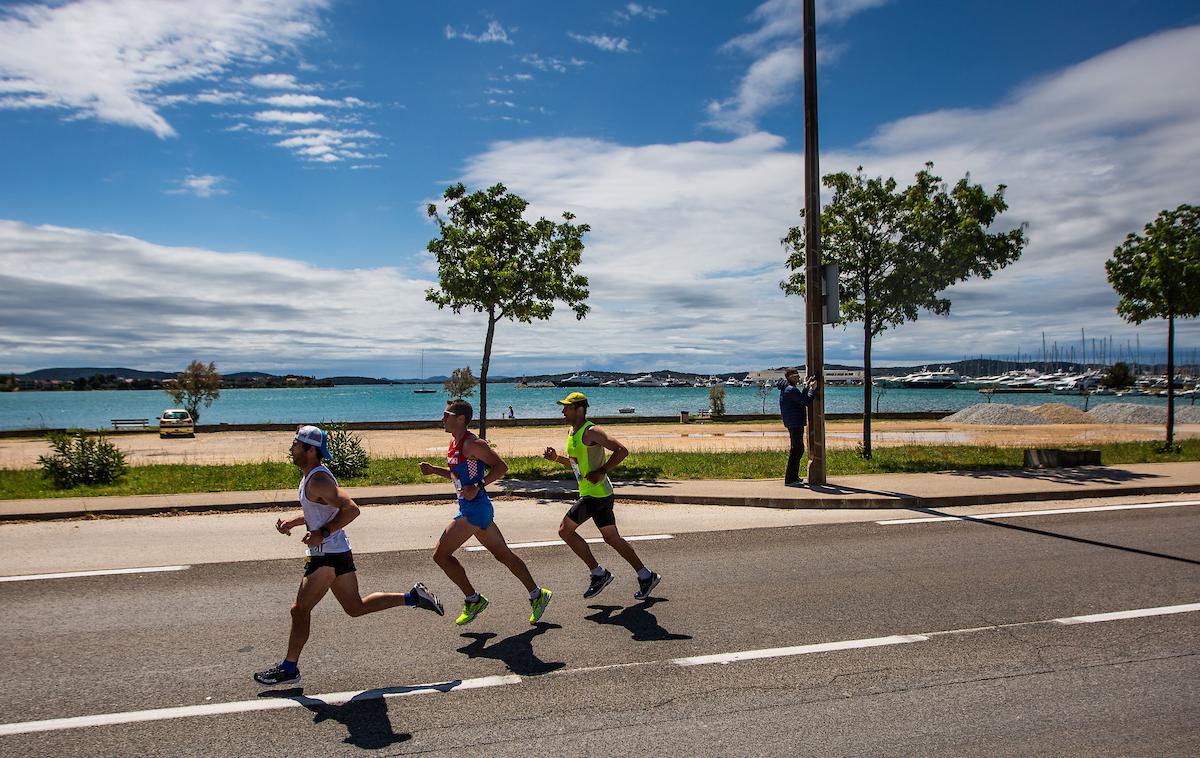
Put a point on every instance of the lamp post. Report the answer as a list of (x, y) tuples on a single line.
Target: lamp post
[(814, 333)]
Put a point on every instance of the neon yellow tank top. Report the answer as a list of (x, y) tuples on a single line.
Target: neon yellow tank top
[(585, 459)]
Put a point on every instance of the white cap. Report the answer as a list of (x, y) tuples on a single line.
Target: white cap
[(315, 436)]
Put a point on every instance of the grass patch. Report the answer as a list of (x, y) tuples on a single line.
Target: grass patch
[(180, 478)]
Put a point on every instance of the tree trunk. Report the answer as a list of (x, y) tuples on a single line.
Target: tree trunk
[(483, 373), (867, 388), (1170, 376)]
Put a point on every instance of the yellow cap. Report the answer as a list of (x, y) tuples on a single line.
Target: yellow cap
[(573, 399)]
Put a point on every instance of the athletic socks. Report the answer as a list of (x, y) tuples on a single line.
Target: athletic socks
[(598, 571), (410, 599), (288, 666), (472, 598), (535, 593), (644, 573)]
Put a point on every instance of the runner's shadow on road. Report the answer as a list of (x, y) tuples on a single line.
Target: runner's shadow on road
[(1056, 535), (515, 652), (638, 619), (365, 715)]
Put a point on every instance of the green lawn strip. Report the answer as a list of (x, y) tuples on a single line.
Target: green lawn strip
[(180, 478)]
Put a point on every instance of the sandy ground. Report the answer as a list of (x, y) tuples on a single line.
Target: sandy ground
[(253, 447)]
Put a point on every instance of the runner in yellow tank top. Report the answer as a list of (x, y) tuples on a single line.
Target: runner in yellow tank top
[(586, 446)]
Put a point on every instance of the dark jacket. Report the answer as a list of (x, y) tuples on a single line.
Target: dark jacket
[(794, 402)]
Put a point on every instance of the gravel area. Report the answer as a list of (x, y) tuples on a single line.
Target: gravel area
[(1128, 413), (1059, 413), (996, 414)]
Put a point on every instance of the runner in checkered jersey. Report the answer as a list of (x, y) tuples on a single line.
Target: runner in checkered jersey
[(472, 465)]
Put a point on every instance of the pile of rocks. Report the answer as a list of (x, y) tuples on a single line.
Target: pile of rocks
[(1001, 414), (1060, 413), (996, 414)]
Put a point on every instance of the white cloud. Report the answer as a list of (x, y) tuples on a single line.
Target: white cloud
[(239, 308), (108, 59), (495, 32), (290, 117), (277, 81), (776, 45), (635, 10), (558, 65), (201, 186), (602, 41), (770, 80), (310, 101)]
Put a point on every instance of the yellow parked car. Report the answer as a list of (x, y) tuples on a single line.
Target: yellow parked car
[(176, 422)]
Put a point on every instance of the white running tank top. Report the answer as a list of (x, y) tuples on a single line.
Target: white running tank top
[(317, 515)]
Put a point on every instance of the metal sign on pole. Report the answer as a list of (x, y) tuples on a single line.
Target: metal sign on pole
[(813, 280)]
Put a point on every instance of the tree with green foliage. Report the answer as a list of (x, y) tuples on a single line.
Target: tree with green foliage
[(1117, 376), (196, 385), (898, 249), (1157, 275), (461, 383), (716, 401), (491, 260)]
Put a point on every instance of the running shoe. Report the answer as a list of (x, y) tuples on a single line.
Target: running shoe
[(598, 583), (427, 600), (471, 610), (277, 675), (647, 584), (539, 603)]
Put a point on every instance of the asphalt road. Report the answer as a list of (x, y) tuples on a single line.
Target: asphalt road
[(966, 657)]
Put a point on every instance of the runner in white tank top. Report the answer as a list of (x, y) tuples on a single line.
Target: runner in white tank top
[(325, 511)]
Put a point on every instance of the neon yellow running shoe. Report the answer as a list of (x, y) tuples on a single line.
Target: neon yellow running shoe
[(471, 610), (539, 604)]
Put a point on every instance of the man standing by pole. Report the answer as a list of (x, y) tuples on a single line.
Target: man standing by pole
[(794, 403), (814, 349)]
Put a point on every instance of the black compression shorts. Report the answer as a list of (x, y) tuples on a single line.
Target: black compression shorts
[(598, 508), (341, 563)]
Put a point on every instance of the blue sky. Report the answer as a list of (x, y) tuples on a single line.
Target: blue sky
[(245, 181)]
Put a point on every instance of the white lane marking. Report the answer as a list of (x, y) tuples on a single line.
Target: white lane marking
[(1050, 512), (592, 540), (105, 572), (781, 652), (1164, 610), (246, 706), (338, 698)]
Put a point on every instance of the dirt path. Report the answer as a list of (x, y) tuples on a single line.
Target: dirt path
[(254, 447)]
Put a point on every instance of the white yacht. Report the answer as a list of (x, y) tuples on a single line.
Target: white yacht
[(579, 380), (644, 381), (941, 379)]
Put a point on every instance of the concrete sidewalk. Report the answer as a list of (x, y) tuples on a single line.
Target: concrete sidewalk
[(935, 490)]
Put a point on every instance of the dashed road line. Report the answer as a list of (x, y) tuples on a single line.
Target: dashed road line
[(103, 572), (247, 706), (1047, 512)]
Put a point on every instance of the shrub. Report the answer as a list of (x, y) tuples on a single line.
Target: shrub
[(349, 457), (82, 460)]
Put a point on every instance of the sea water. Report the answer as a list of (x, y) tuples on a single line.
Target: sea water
[(397, 402)]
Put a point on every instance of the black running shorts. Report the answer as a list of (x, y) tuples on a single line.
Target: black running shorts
[(341, 563), (598, 508)]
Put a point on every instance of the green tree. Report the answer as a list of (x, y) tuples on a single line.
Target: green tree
[(461, 383), (1157, 275), (716, 401), (491, 260), (196, 385), (1117, 376), (899, 249)]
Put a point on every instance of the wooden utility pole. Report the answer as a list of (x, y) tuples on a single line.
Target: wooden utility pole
[(814, 334)]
